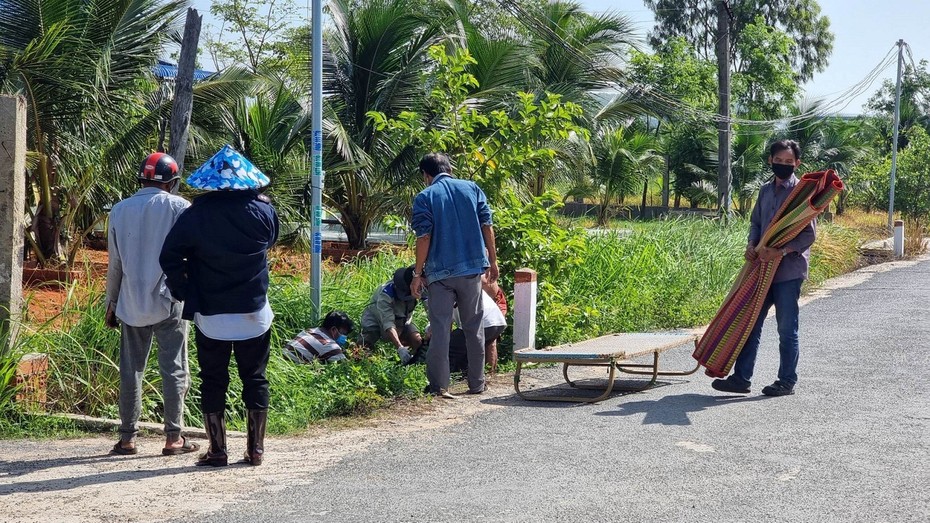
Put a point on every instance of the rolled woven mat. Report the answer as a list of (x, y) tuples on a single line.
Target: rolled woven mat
[(727, 333)]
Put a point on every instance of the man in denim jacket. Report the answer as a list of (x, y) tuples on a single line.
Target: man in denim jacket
[(455, 246)]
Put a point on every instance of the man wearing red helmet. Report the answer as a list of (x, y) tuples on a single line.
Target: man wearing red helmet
[(138, 298)]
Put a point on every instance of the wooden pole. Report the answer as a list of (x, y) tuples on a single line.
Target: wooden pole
[(184, 88)]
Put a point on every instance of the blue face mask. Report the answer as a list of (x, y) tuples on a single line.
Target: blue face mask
[(341, 340)]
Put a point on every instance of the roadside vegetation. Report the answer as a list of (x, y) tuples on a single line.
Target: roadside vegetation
[(635, 276)]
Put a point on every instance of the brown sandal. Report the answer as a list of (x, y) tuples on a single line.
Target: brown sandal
[(185, 448)]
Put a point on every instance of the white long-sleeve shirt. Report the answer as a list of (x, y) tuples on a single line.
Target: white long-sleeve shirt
[(135, 281), (493, 317)]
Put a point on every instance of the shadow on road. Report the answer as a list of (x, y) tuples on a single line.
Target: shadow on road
[(74, 482), (564, 390), (674, 410), (18, 468)]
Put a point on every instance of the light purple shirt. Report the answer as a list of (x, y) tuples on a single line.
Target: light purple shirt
[(135, 282), (771, 197)]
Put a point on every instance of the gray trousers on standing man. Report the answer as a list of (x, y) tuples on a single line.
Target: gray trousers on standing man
[(465, 291), (135, 345)]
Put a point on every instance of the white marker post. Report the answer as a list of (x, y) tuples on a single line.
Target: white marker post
[(899, 238), (524, 309)]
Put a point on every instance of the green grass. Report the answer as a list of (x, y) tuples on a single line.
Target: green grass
[(662, 275), (643, 276), (84, 360), (16, 424)]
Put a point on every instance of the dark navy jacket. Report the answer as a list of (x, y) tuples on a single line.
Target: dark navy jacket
[(215, 256)]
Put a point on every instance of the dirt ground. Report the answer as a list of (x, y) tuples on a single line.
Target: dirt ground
[(77, 480)]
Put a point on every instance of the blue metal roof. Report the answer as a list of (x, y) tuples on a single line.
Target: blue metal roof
[(168, 70)]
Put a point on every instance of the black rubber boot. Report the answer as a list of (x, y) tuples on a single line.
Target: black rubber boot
[(215, 456), (255, 447)]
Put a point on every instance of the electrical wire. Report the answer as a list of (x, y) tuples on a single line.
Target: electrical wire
[(671, 104), (667, 103)]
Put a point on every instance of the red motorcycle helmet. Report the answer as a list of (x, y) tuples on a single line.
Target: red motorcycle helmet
[(159, 167)]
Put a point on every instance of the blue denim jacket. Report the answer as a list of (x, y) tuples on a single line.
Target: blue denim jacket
[(452, 212)]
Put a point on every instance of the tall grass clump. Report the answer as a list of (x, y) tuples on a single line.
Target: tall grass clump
[(17, 420), (835, 252), (657, 275), (915, 236)]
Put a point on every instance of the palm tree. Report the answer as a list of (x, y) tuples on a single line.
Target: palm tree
[(691, 152), (576, 53), (829, 142), (272, 130), (502, 56), (622, 161), (748, 167), (79, 65), (376, 56)]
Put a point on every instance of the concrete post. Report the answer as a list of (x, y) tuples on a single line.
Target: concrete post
[(899, 238), (12, 211), (524, 310)]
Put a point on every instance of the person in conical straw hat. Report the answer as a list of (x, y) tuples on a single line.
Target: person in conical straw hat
[(216, 262)]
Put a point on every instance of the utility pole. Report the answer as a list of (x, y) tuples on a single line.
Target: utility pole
[(184, 89), (894, 139), (724, 202), (316, 177)]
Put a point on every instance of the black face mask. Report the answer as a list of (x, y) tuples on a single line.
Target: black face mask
[(782, 171)]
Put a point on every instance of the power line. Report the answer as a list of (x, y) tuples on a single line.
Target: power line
[(670, 104)]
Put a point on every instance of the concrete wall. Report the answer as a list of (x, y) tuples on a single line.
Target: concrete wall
[(12, 208)]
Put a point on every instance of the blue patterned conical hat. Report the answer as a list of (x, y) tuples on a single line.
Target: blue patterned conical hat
[(227, 170)]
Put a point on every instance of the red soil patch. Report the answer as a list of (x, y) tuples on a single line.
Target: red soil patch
[(46, 300)]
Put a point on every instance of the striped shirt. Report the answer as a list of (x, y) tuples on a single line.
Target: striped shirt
[(313, 344)]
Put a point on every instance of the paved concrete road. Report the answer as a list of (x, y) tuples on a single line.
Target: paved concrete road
[(851, 445)]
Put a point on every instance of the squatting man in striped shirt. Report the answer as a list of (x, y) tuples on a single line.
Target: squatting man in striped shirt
[(325, 343)]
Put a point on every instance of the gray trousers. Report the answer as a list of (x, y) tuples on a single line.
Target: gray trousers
[(134, 347), (443, 295)]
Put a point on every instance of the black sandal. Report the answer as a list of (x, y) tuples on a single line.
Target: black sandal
[(119, 449)]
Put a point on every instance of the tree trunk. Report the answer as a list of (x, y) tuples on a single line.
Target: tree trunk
[(841, 203), (356, 229), (540, 185), (47, 225)]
